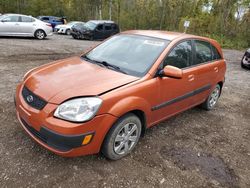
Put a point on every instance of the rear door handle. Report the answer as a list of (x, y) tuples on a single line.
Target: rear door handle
[(216, 69), (190, 77), (16, 24)]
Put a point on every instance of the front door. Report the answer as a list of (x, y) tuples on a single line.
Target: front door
[(99, 32), (176, 94), (10, 25)]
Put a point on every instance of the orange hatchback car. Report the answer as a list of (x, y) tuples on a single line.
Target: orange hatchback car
[(105, 99)]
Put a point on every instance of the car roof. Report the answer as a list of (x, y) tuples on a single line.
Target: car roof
[(101, 21), (10, 14), (167, 35)]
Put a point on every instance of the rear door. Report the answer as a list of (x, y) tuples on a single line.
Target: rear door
[(27, 25), (205, 69)]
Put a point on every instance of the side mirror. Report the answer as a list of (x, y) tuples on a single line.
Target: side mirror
[(172, 72), (4, 20)]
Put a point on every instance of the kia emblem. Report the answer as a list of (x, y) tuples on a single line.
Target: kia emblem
[(30, 98)]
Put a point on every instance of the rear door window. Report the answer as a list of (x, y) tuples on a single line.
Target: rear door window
[(107, 27), (27, 19), (203, 52), (180, 56)]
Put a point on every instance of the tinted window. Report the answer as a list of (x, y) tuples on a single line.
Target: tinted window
[(180, 56), (132, 54), (99, 27), (27, 19), (203, 52), (45, 19), (107, 27), (216, 54)]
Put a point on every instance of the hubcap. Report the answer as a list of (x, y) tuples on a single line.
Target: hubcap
[(126, 138), (214, 97), (40, 35)]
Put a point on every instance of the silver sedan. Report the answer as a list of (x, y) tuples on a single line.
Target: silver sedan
[(22, 25)]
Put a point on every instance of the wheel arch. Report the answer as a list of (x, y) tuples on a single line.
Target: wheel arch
[(41, 30)]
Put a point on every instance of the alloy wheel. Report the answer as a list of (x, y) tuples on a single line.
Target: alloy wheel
[(126, 138)]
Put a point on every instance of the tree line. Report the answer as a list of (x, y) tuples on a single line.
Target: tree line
[(224, 20)]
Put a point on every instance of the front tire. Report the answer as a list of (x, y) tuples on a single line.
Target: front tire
[(40, 34), (212, 99), (122, 137)]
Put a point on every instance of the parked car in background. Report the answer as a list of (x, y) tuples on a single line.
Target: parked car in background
[(22, 25), (66, 28), (96, 30), (54, 21), (245, 62), (105, 99)]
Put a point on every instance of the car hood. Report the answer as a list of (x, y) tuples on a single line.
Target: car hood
[(74, 77)]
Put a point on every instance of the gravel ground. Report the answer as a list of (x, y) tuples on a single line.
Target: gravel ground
[(194, 149)]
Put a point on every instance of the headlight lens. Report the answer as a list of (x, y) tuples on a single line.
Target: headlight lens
[(78, 110)]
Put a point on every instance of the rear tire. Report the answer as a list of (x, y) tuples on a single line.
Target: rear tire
[(212, 99), (68, 32), (122, 137), (40, 34)]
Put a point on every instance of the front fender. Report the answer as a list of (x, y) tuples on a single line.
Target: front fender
[(129, 104)]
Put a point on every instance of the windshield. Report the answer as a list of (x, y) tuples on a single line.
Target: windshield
[(133, 54), (2, 17), (90, 25)]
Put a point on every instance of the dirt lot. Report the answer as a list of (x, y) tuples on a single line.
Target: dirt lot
[(194, 149)]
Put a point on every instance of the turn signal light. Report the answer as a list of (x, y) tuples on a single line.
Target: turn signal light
[(87, 139)]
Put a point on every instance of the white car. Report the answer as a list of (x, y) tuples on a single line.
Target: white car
[(22, 25), (66, 28)]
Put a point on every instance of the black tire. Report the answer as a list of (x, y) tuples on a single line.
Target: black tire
[(109, 144), (208, 104), (67, 32), (40, 34)]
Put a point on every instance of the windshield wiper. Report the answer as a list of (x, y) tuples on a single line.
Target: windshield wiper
[(108, 65), (105, 64)]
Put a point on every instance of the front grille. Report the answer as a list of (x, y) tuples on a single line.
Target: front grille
[(32, 99)]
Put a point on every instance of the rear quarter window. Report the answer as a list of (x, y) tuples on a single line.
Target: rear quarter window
[(216, 54)]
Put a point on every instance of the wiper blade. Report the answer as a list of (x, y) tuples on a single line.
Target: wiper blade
[(114, 67), (105, 64)]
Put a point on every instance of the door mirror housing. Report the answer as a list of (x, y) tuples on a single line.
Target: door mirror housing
[(172, 72)]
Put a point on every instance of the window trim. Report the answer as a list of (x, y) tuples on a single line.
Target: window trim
[(160, 67)]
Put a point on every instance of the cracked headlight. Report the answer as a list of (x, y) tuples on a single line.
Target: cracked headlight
[(78, 110)]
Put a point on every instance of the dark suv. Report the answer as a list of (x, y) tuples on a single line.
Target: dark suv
[(95, 30)]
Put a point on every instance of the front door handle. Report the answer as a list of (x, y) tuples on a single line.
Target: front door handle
[(216, 69), (16, 24), (190, 77)]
